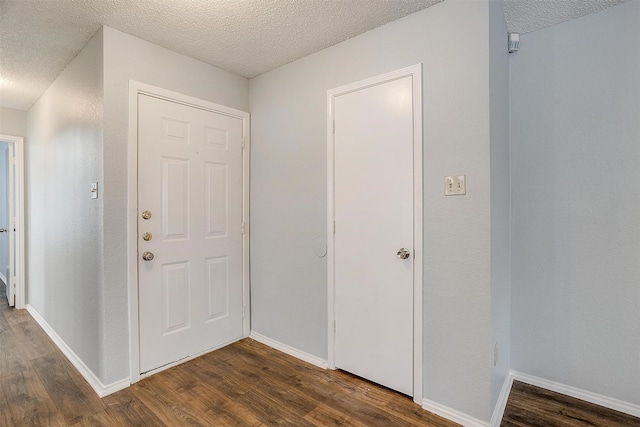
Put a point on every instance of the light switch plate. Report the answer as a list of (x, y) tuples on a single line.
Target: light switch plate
[(94, 190), (455, 185)]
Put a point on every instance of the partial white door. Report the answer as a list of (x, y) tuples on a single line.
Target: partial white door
[(189, 231), (374, 236), (11, 228)]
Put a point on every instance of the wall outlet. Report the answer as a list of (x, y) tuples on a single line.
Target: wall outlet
[(455, 185), (495, 355)]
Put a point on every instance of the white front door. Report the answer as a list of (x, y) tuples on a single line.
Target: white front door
[(190, 224), (373, 212)]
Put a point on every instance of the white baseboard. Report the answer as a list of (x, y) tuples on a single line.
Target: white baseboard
[(501, 404), (598, 399), (452, 414), (309, 358), (100, 389)]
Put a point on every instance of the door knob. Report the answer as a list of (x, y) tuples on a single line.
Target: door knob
[(146, 215), (403, 253), (147, 236), (147, 256)]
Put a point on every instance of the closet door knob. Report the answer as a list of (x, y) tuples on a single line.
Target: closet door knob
[(404, 253)]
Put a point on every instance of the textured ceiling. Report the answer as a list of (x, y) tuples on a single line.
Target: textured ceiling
[(38, 38), (525, 16)]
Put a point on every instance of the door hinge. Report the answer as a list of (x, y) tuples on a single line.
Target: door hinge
[(334, 226), (335, 328), (12, 160), (244, 311), (334, 127), (242, 228), (243, 142)]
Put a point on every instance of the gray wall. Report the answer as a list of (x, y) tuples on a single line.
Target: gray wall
[(288, 192), (127, 57), (13, 122), (64, 225), (500, 199), (575, 132)]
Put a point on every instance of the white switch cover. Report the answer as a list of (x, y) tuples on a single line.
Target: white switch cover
[(94, 190), (455, 185)]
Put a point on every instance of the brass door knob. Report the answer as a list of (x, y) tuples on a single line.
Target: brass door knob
[(147, 236), (147, 256), (146, 215)]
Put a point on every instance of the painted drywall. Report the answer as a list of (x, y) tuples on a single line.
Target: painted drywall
[(500, 199), (13, 122), (575, 153), (4, 209), (64, 225), (129, 58), (288, 192)]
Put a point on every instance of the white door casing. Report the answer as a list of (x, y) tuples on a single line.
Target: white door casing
[(191, 295), (375, 209), (15, 221)]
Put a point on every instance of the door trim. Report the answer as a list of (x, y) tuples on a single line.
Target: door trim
[(415, 72), (136, 88), (18, 144)]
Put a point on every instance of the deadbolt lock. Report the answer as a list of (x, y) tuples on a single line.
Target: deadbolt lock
[(146, 215), (147, 256), (147, 236)]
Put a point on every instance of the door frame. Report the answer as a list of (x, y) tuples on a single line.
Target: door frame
[(137, 88), (18, 145), (415, 72)]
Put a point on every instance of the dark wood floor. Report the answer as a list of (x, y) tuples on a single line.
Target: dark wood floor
[(244, 384), (534, 406)]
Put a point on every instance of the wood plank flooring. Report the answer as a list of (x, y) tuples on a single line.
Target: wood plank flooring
[(244, 384), (534, 406)]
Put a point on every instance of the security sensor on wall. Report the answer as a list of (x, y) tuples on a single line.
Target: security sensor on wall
[(514, 42)]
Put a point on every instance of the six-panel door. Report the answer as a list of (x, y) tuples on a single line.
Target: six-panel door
[(190, 186)]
